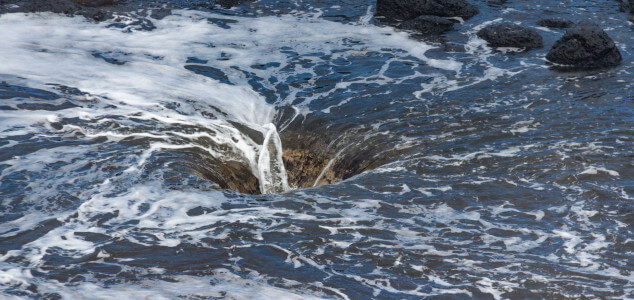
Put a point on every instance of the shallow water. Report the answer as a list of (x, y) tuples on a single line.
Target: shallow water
[(487, 175)]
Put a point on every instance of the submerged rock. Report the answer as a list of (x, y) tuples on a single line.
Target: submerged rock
[(585, 46), (454, 48), (510, 35), (409, 9), (428, 25), (555, 23)]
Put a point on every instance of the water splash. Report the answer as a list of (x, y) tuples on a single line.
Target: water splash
[(272, 173)]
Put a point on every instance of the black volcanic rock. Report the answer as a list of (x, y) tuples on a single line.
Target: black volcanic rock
[(66, 7), (409, 9), (555, 23), (510, 35), (627, 6), (428, 25), (231, 3), (454, 48), (585, 46), (95, 3), (60, 7)]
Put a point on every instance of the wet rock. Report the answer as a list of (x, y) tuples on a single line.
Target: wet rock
[(210, 72), (555, 23), (428, 25), (231, 3), (627, 6), (304, 167), (585, 46), (305, 156), (496, 3), (66, 7), (510, 35), (95, 3), (63, 7), (409, 9), (160, 13), (227, 175), (454, 48)]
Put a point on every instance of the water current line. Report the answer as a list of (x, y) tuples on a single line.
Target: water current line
[(272, 174)]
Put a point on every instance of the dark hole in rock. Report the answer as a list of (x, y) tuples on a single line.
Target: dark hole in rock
[(308, 160)]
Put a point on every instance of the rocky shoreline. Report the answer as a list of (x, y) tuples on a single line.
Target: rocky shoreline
[(425, 19), (583, 47), (308, 159)]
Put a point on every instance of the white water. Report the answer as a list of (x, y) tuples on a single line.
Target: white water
[(58, 50), (153, 87), (271, 169), (44, 49)]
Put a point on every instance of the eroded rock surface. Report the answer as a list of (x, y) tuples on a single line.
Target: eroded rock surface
[(555, 23), (95, 3), (428, 25), (585, 46), (230, 175), (86, 8), (402, 10), (304, 169), (510, 35), (231, 3)]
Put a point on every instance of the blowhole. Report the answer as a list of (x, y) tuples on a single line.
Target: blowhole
[(308, 161)]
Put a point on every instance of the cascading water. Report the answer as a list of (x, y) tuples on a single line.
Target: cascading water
[(131, 159), (271, 171)]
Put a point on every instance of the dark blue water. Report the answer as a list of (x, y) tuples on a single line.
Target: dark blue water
[(467, 174)]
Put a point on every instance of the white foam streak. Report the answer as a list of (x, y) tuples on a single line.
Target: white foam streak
[(271, 169)]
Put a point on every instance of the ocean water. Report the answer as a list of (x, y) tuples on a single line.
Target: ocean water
[(471, 174)]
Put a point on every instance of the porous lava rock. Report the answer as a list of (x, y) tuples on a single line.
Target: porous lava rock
[(95, 3), (555, 23), (402, 10), (303, 168), (231, 3), (510, 35), (585, 46), (428, 25), (86, 8)]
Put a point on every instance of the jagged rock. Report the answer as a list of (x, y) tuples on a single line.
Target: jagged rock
[(95, 3), (510, 35), (67, 7), (585, 46), (227, 175), (60, 7), (230, 3), (409, 9), (160, 13), (428, 25), (304, 167), (555, 23)]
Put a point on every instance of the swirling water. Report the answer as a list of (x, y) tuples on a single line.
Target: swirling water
[(487, 175)]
